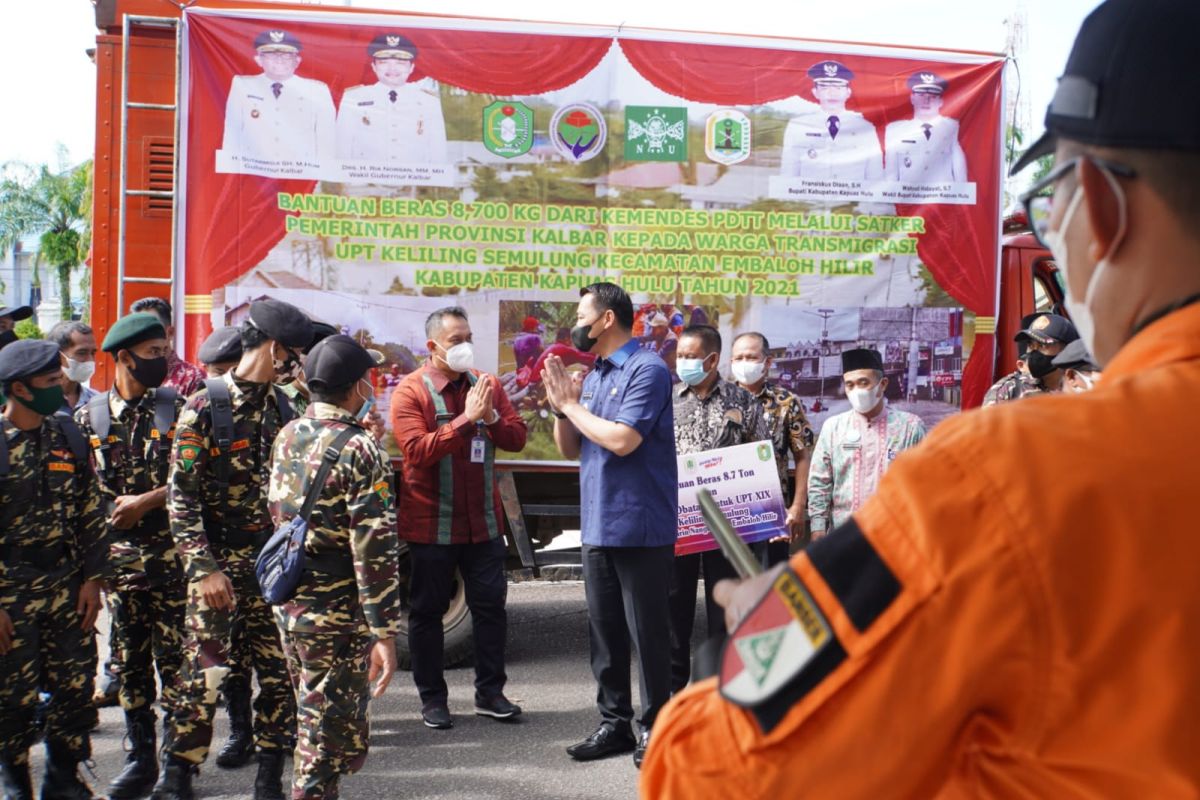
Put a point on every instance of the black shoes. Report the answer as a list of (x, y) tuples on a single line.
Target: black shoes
[(602, 743), (141, 766), (62, 781), (175, 780), (437, 716), (268, 785), (239, 747), (640, 752), (497, 707)]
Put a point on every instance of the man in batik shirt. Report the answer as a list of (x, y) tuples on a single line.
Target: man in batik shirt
[(856, 447)]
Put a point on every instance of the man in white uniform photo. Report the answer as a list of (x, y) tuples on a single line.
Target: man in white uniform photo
[(391, 121), (925, 149), (831, 142), (278, 115)]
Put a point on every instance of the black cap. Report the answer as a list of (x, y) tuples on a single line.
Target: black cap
[(17, 313), (276, 41), (830, 72), (336, 360), (392, 45), (222, 346), (1076, 356), (1048, 329), (28, 358), (133, 329), (1127, 81), (862, 358), (321, 330), (282, 322)]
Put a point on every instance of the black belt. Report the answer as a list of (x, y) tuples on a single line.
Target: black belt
[(39, 556), (339, 565)]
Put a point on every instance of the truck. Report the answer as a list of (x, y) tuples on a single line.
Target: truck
[(145, 115)]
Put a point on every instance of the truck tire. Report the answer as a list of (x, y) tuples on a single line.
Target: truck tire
[(456, 624)]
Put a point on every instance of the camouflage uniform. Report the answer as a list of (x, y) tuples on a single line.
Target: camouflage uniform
[(331, 622), (51, 540), (216, 529), (1012, 387), (147, 603)]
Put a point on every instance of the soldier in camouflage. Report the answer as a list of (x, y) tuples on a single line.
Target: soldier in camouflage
[(52, 565), (1042, 337), (131, 453), (339, 629), (219, 520)]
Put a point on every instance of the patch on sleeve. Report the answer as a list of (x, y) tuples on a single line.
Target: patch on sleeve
[(774, 643), (187, 455), (384, 491)]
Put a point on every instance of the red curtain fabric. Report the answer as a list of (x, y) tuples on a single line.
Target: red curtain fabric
[(233, 220), (960, 245)]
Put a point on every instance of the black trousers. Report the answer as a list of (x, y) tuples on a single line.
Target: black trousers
[(481, 566), (627, 593), (685, 575)]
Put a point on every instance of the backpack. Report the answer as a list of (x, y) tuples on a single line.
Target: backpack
[(281, 562), (221, 406), (100, 417)]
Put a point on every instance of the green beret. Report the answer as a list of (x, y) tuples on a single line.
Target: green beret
[(133, 330), (28, 358)]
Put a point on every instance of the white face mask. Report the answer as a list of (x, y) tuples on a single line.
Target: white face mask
[(79, 371), (1081, 313), (748, 372), (461, 357), (863, 400)]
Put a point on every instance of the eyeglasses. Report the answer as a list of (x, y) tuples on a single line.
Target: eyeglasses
[(1038, 200)]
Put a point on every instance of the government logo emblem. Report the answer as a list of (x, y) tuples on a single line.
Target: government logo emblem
[(727, 136), (655, 133), (578, 131), (508, 128), (277, 36)]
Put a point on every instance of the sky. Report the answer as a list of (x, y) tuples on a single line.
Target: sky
[(53, 104)]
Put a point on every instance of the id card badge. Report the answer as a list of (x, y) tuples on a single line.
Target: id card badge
[(478, 449)]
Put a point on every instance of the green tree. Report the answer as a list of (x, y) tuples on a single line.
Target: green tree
[(54, 206)]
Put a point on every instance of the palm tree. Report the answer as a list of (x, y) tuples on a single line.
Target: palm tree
[(53, 205)]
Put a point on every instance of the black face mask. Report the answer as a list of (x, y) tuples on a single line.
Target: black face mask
[(7, 338), (1040, 365), (581, 339), (149, 372)]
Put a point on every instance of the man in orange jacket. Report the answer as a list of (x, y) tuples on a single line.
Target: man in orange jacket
[(1016, 613)]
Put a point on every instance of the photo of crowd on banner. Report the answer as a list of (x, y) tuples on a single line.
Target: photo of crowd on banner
[(393, 131)]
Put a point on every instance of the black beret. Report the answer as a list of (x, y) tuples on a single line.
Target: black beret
[(1076, 356), (282, 322), (17, 313), (221, 346), (276, 42), (28, 358), (392, 45), (321, 330), (335, 361), (133, 329), (861, 358)]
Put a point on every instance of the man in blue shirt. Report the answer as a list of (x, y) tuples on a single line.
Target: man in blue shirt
[(619, 423)]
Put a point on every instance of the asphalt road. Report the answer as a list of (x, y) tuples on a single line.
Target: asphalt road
[(479, 758)]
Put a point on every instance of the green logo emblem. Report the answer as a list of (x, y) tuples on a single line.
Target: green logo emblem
[(764, 452), (758, 652), (655, 133), (508, 128), (578, 131), (727, 136)]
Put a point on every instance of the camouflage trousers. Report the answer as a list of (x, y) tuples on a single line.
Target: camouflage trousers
[(206, 653), (329, 672), (50, 653), (147, 633)]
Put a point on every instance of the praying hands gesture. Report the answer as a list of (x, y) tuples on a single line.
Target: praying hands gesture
[(562, 389)]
